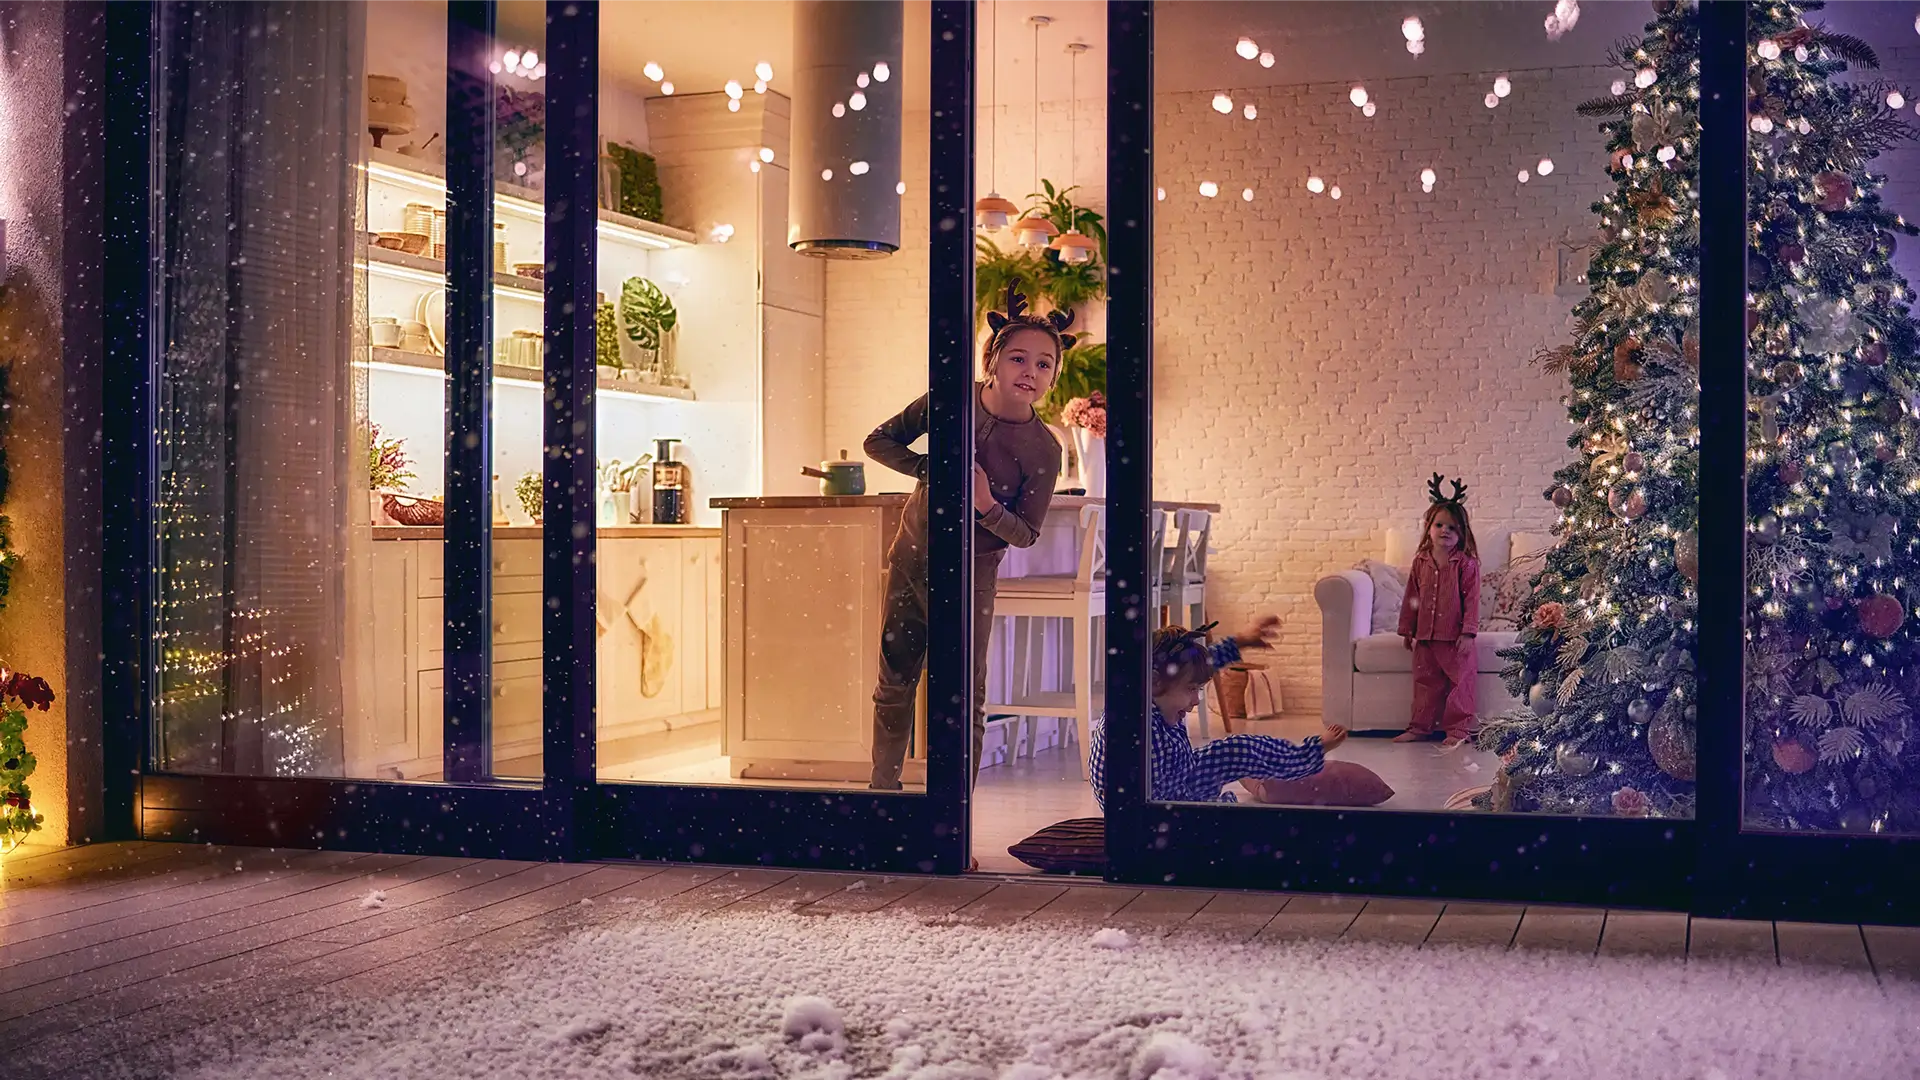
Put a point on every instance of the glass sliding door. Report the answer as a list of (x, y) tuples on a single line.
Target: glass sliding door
[(1441, 422)]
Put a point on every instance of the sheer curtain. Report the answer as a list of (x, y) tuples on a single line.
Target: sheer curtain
[(263, 513)]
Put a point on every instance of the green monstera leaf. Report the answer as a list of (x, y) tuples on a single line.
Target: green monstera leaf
[(647, 312)]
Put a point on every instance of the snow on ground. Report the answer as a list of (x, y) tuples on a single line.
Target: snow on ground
[(760, 997)]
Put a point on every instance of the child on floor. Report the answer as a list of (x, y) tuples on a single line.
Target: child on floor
[(1182, 666), (1016, 462), (1439, 618)]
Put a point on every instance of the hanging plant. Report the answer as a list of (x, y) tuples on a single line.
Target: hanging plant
[(648, 313), (18, 694), (994, 271)]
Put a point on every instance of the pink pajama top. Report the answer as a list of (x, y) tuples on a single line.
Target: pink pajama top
[(1443, 599)]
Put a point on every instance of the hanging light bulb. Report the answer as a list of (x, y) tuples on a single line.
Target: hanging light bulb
[(1247, 49), (666, 88), (1369, 109), (1412, 30), (1208, 189), (1357, 95), (1250, 112), (1545, 168), (1266, 59), (1502, 86), (881, 72), (652, 71), (763, 71), (1316, 185), (1222, 104), (1034, 231), (1074, 246), (733, 89)]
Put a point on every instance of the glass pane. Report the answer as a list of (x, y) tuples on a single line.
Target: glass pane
[(1404, 283), (742, 603), (1831, 431), (269, 658)]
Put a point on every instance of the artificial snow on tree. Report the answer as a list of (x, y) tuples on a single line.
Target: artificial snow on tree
[(1605, 659)]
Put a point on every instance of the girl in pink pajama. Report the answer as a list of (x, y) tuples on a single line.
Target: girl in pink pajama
[(1439, 619)]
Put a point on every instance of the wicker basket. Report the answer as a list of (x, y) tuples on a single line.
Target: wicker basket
[(409, 510)]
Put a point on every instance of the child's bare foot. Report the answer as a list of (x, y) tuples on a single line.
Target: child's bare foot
[(1333, 736), (1411, 736)]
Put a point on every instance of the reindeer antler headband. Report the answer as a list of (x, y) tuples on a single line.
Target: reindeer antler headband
[(1456, 501), (1017, 317)]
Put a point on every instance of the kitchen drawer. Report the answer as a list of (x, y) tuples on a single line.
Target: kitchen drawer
[(515, 713), (516, 629), (516, 567)]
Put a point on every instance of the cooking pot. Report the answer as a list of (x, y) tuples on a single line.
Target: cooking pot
[(841, 477)]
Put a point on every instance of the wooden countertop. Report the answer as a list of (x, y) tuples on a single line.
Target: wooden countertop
[(534, 532), (811, 502)]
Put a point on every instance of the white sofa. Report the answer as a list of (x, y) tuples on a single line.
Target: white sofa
[(1366, 673)]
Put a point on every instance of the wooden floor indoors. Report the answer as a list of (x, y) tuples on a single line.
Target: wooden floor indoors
[(109, 951)]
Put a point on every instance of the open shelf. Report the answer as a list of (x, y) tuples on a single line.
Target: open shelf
[(418, 268), (430, 363), (430, 176)]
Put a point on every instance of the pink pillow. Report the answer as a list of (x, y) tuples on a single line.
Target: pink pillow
[(1340, 783)]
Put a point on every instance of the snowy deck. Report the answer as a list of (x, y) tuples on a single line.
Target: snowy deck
[(115, 957)]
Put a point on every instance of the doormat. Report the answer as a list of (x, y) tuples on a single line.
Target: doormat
[(837, 996)]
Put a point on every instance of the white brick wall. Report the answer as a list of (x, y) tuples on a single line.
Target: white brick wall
[(1316, 360)]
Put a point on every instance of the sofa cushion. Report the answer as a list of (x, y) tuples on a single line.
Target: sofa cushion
[(1379, 654), (1340, 783), (1075, 846), (1514, 585), (1389, 586)]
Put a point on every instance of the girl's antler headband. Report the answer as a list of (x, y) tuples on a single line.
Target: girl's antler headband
[(1458, 498), (1016, 318)]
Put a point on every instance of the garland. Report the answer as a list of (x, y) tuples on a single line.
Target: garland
[(18, 693)]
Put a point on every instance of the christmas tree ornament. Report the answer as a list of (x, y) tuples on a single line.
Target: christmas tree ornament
[(1835, 603), (1883, 454), (1791, 473), (1563, 496), (1627, 501), (1633, 463), (1880, 615), (1854, 383), (1832, 190), (1621, 160), (1631, 802), (1670, 739), (1792, 254), (1828, 325), (1873, 354), (1686, 555), (1793, 756), (1574, 762), (1639, 710), (1767, 529), (1843, 457), (1539, 700)]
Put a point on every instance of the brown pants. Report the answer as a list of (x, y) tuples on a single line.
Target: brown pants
[(903, 655)]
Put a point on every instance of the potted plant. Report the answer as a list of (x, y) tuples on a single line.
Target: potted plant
[(649, 317), (531, 492), (1086, 420), (388, 469), (606, 341), (1083, 373), (18, 694)]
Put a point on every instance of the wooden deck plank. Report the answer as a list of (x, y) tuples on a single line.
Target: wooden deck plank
[(97, 864), (1233, 916), (1822, 945), (288, 920), (1574, 930), (117, 870), (531, 892), (1312, 918), (724, 889), (1731, 939), (428, 901), (866, 894), (89, 926), (1160, 911), (792, 894), (1485, 926), (1009, 903), (1894, 950), (64, 901), (1645, 933), (1394, 921), (270, 899), (941, 897), (1088, 907)]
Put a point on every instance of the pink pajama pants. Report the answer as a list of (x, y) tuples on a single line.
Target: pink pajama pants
[(1443, 676)]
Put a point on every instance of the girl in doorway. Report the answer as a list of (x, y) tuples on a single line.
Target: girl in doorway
[(1440, 618), (1016, 462)]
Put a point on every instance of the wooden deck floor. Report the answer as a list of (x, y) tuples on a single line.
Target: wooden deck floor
[(111, 954)]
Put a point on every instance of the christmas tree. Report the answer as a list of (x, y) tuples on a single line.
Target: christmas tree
[(1605, 658)]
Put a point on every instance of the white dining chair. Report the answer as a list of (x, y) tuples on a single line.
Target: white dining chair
[(1062, 614)]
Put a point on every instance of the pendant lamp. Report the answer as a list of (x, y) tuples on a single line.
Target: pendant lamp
[(993, 211), (1073, 245), (1034, 230)]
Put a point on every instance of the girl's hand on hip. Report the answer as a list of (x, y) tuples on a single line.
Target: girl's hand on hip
[(983, 499), (1407, 640)]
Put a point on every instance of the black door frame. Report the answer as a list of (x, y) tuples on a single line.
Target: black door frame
[(568, 814), (1709, 865)]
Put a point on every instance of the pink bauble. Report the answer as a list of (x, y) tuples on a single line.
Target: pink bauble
[(1880, 616), (1874, 354), (1793, 756), (1832, 190)]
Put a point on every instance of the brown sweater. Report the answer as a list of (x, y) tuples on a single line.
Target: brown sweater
[(1021, 460)]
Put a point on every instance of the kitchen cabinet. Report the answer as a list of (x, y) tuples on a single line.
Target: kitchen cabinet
[(658, 626)]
